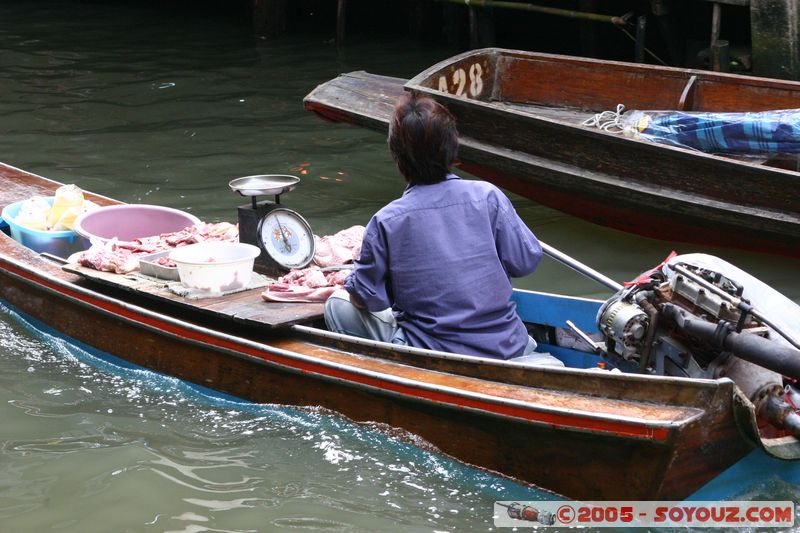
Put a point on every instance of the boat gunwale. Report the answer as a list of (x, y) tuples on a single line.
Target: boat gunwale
[(678, 72), (622, 376)]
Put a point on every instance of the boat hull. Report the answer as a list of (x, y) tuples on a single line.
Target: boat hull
[(635, 211), (569, 431), (576, 463), (650, 189)]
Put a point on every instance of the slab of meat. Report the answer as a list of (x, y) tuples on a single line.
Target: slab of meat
[(221, 231), (339, 248), (313, 284), (110, 258), (284, 292), (166, 262), (306, 285), (122, 257)]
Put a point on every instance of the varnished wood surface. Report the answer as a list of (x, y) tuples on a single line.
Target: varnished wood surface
[(595, 84), (21, 185), (247, 307), (358, 98)]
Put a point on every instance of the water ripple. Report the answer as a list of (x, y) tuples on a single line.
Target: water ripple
[(215, 463)]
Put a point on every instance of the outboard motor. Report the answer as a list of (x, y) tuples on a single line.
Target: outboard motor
[(698, 316)]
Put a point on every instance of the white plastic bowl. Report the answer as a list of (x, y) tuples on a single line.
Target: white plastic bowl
[(215, 267)]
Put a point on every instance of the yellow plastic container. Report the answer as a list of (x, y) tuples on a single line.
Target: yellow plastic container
[(66, 206), (68, 217)]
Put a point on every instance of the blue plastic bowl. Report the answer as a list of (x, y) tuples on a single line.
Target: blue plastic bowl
[(59, 243)]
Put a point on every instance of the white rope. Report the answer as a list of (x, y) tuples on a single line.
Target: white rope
[(610, 121)]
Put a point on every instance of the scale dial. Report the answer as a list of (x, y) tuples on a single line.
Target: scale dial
[(286, 238)]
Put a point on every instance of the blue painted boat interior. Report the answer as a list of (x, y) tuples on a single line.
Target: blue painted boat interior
[(554, 310)]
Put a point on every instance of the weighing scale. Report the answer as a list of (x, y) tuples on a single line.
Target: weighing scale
[(284, 237)]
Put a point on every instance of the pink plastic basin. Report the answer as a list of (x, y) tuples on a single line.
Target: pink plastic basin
[(131, 221)]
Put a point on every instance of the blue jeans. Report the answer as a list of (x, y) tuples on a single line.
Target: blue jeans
[(342, 316)]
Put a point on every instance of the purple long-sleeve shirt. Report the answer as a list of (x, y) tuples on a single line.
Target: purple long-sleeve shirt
[(442, 256)]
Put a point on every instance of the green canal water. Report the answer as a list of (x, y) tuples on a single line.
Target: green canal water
[(161, 106)]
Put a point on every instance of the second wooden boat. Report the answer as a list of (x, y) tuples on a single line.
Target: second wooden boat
[(520, 116)]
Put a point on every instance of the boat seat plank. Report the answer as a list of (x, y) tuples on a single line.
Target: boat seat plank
[(246, 307)]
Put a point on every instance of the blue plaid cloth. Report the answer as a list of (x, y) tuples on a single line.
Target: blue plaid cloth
[(766, 132)]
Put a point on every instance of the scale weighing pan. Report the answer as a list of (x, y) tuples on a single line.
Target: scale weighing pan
[(265, 184)]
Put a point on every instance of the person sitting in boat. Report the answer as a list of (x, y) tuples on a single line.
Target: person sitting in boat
[(435, 264)]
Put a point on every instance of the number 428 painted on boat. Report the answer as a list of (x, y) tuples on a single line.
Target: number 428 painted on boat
[(459, 81)]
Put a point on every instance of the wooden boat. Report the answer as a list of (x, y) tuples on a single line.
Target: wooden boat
[(570, 430), (520, 120)]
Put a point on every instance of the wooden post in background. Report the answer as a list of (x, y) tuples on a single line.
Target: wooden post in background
[(267, 17), (341, 22), (775, 33), (587, 33), (416, 19), (474, 34), (641, 38), (454, 23), (481, 27)]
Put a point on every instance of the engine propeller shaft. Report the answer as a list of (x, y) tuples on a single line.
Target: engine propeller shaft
[(781, 415), (764, 352)]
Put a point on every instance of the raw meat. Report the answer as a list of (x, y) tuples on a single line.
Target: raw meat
[(340, 248), (313, 284), (122, 257), (110, 258), (306, 285), (284, 292)]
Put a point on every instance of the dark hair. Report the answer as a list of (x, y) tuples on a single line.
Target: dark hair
[(423, 139)]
